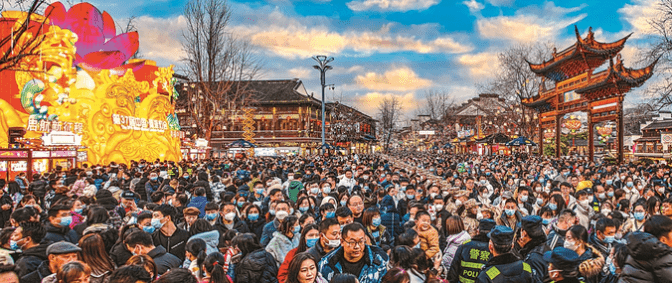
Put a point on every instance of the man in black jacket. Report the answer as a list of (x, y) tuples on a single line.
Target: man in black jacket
[(329, 228), (531, 246), (603, 236), (505, 266), (471, 256), (140, 243), (173, 239), (28, 236), (203, 182), (58, 255), (228, 220), (38, 187)]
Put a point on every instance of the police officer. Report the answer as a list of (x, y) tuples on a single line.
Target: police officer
[(472, 255), (505, 266), (563, 265), (531, 246)]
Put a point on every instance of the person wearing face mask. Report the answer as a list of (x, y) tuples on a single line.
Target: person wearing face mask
[(173, 239), (604, 236), (330, 238), (58, 225), (285, 239), (511, 215), (504, 266), (28, 238), (378, 233), (140, 243), (522, 195), (198, 201), (563, 265), (591, 260), (584, 211), (152, 185), (636, 222), (556, 237), (409, 195), (531, 245), (228, 220), (281, 212)]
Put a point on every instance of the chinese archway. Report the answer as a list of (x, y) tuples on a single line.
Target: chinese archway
[(578, 88), (82, 79)]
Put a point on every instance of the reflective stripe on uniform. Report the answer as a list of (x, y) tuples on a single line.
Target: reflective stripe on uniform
[(471, 264), (492, 272), (465, 280), (527, 267)]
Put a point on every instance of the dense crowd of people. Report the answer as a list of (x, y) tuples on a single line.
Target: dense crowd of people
[(402, 217)]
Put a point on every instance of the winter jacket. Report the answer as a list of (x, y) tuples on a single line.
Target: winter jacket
[(211, 239), (4, 214), (239, 226), (57, 234), (38, 188), (429, 241), (279, 246), (40, 273), (591, 264), (556, 237), (454, 242), (584, 214), (120, 254), (317, 251), (256, 227), (505, 268), (468, 260), (164, 261), (257, 267), (151, 187), (284, 267), (175, 244), (380, 236), (375, 265), (390, 218), (199, 202), (648, 260), (268, 231), (31, 259), (533, 254)]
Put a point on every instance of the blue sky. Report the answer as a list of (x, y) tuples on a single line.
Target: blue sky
[(397, 48)]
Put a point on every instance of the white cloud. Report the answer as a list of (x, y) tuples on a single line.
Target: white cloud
[(160, 38), (368, 103), (474, 6), (391, 5), (529, 25), (289, 38), (639, 14), (480, 65), (300, 72), (500, 3), (399, 79)]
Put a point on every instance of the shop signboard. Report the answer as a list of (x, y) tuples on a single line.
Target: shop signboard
[(5, 154), (64, 153), (41, 154)]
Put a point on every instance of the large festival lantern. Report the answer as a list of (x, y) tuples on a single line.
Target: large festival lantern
[(84, 82), (580, 88)]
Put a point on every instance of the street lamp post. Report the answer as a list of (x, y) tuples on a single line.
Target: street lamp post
[(322, 62)]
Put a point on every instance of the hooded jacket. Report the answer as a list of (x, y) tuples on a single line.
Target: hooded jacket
[(280, 245), (454, 242), (120, 254), (375, 265), (32, 258), (164, 261), (258, 267), (199, 202), (211, 239), (648, 260)]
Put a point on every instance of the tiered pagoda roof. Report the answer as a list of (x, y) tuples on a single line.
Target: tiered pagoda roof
[(585, 54), (616, 80)]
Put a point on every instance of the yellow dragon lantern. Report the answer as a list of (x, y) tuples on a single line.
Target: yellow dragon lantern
[(83, 76)]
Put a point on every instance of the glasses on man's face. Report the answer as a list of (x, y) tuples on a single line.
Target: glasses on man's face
[(353, 243)]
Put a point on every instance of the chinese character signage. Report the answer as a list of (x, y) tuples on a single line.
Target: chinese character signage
[(139, 124), (13, 154), (46, 126)]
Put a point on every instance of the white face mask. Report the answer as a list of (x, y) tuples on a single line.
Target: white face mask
[(458, 202), (230, 216), (438, 207), (571, 245), (332, 243), (280, 215)]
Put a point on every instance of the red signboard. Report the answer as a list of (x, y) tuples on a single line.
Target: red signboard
[(4, 154)]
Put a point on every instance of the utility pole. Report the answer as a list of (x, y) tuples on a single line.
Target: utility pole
[(323, 66)]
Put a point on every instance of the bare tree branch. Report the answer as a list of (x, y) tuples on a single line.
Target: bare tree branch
[(389, 115)]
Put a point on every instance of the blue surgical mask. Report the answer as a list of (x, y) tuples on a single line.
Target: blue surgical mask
[(314, 190), (311, 242), (375, 222), (303, 209), (629, 184), (297, 230), (610, 194), (13, 245), (211, 216), (510, 212), (240, 204), (344, 202), (260, 191), (523, 198), (326, 190), (154, 178), (612, 268), (546, 221), (553, 206), (410, 196), (253, 216), (65, 221), (148, 229), (609, 239), (610, 182), (79, 211), (156, 223), (639, 216), (272, 212), (331, 214)]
